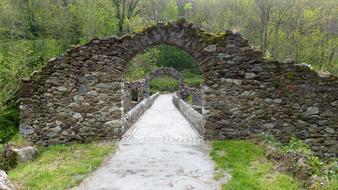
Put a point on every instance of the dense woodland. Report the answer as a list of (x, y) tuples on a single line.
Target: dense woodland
[(33, 31)]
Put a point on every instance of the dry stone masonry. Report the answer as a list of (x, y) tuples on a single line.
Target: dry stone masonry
[(127, 96), (78, 97)]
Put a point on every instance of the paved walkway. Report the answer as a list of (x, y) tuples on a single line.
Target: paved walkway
[(161, 151)]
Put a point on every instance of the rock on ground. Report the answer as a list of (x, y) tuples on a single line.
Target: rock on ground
[(25, 154), (5, 184)]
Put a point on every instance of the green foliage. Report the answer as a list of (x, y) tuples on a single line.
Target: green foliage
[(142, 64), (296, 145), (269, 139), (170, 84), (267, 55), (9, 161), (299, 29), (193, 80), (134, 95), (164, 84), (9, 123), (171, 10), (328, 169), (189, 99), (248, 167), (60, 166), (182, 61)]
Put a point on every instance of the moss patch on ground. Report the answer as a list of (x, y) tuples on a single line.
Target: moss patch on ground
[(248, 167), (60, 166)]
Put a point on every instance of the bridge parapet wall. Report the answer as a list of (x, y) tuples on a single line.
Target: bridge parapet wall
[(196, 119), (130, 118)]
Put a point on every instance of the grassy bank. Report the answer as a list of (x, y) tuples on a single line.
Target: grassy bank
[(248, 167), (60, 167), (170, 84)]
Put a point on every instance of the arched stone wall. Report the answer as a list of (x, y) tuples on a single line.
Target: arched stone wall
[(160, 72), (79, 97)]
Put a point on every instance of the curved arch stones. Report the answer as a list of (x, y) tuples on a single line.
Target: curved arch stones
[(78, 97), (159, 72)]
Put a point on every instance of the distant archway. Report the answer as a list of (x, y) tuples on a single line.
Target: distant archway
[(160, 72)]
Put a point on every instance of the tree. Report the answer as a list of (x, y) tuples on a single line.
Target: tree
[(171, 10), (125, 9)]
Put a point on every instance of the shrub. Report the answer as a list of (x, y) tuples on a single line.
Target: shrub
[(326, 171), (9, 123)]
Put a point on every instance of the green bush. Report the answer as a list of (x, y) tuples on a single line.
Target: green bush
[(9, 123), (170, 84), (326, 169), (164, 84), (193, 80), (7, 161)]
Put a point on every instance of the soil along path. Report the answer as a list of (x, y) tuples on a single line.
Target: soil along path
[(161, 151)]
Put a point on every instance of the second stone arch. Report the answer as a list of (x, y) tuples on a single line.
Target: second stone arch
[(160, 72)]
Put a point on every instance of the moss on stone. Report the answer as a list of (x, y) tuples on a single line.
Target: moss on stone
[(211, 38)]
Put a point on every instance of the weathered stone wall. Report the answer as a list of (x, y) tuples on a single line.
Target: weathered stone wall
[(283, 99), (243, 94), (130, 118), (71, 102), (196, 119), (160, 72)]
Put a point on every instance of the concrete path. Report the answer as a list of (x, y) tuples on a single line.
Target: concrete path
[(161, 151)]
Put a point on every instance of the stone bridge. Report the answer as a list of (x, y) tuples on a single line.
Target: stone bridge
[(78, 97)]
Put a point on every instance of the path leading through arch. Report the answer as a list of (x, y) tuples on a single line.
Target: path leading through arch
[(161, 151)]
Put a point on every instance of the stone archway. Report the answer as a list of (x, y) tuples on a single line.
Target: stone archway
[(78, 97), (160, 72)]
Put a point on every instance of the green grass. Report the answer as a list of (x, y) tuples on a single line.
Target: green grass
[(193, 80), (189, 99), (60, 166), (170, 84), (249, 170)]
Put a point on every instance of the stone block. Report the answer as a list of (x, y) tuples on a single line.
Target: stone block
[(5, 184)]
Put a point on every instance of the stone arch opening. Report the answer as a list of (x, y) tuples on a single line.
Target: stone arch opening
[(146, 76)]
